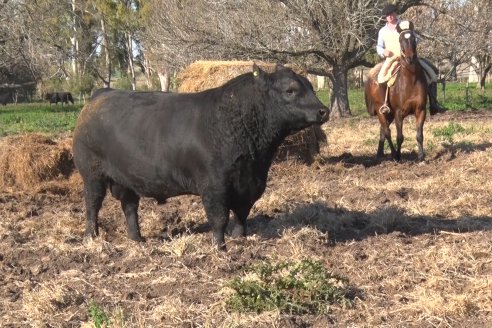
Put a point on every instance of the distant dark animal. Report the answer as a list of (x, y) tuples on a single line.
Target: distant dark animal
[(407, 96), (218, 144), (56, 97), (5, 98)]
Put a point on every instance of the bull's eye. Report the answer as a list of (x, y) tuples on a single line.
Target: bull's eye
[(290, 91)]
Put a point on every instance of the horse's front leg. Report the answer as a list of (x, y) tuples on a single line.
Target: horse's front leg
[(399, 137), (382, 137), (419, 121), (385, 134)]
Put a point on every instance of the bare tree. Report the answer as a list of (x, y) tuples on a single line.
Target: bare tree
[(455, 31), (325, 37)]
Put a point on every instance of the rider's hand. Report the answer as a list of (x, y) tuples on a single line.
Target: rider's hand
[(388, 53)]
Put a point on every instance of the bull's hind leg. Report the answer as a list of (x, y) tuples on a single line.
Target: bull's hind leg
[(129, 204), (238, 223), (94, 192), (217, 215)]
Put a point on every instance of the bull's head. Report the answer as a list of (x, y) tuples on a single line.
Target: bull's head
[(294, 98)]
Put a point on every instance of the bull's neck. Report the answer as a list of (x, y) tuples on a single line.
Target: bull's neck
[(262, 132)]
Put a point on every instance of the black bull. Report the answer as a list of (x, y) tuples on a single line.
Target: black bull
[(218, 144), (56, 97)]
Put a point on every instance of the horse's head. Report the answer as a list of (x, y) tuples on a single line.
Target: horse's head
[(408, 41)]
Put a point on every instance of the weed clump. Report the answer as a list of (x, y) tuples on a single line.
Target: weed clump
[(304, 287), (97, 315)]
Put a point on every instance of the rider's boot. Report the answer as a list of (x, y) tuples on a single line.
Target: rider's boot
[(435, 107)]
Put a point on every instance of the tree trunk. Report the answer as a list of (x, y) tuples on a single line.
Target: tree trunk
[(339, 103), (131, 67), (164, 79), (74, 41), (483, 76), (105, 44)]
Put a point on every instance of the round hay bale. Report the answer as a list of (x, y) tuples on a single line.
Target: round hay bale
[(27, 161), (203, 75)]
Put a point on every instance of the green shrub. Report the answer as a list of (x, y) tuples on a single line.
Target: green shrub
[(97, 315), (291, 287)]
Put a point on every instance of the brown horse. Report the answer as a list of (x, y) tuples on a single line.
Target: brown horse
[(407, 96)]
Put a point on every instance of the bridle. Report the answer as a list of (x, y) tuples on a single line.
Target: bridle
[(406, 60)]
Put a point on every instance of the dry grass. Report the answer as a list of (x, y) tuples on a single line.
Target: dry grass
[(414, 239)]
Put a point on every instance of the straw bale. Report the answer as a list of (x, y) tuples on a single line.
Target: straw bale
[(203, 75), (29, 160)]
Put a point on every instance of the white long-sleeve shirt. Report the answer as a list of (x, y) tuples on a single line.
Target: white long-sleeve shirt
[(388, 39)]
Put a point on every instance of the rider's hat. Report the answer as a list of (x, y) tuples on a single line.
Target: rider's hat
[(388, 9)]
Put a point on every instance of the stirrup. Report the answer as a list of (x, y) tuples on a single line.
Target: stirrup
[(384, 109)]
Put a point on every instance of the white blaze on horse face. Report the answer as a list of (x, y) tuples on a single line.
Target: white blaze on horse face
[(407, 35)]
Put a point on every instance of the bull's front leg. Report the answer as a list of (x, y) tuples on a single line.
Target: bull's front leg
[(217, 215)]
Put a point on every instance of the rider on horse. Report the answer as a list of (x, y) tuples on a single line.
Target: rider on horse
[(388, 47)]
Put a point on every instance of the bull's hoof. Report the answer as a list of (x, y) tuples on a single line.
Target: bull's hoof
[(90, 233), (236, 231), (139, 239)]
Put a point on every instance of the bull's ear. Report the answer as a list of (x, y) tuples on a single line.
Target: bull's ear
[(259, 74)]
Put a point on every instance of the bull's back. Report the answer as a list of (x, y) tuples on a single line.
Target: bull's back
[(143, 140)]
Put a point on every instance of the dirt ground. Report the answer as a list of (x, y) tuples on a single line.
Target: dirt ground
[(414, 240)]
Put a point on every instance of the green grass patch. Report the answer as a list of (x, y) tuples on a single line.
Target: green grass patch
[(54, 119), (98, 316), (27, 118), (456, 97), (304, 287), (447, 132)]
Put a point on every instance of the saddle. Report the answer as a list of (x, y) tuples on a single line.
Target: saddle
[(388, 76), (390, 71)]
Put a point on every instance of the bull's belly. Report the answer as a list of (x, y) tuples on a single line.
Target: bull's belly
[(151, 184)]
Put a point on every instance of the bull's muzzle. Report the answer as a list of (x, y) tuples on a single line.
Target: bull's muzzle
[(323, 114)]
